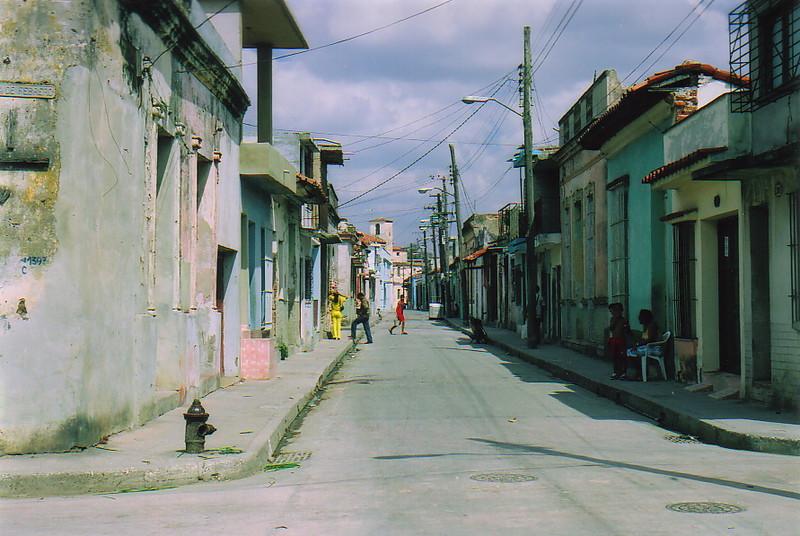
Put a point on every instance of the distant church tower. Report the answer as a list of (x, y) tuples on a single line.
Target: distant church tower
[(382, 228)]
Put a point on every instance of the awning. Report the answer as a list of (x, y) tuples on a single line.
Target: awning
[(740, 167)]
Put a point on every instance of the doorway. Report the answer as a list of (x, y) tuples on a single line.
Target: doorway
[(225, 264), (728, 292)]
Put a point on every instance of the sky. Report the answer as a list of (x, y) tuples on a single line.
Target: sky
[(392, 98)]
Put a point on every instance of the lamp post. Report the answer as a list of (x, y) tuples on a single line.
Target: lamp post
[(530, 241), (424, 229), (443, 223)]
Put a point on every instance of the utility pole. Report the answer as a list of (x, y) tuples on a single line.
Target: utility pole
[(460, 280), (442, 252), (530, 242), (425, 269)]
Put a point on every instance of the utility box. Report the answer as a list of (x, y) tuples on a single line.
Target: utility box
[(435, 310)]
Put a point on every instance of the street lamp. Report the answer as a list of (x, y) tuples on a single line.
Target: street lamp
[(476, 98), (533, 326)]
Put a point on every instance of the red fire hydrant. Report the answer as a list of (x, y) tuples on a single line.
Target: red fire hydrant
[(196, 427)]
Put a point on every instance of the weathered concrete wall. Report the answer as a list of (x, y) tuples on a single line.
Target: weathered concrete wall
[(107, 287)]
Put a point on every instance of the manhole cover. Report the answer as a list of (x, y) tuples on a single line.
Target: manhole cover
[(705, 508), (502, 477), (291, 457), (682, 439)]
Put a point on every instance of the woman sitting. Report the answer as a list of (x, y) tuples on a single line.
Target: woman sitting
[(650, 333)]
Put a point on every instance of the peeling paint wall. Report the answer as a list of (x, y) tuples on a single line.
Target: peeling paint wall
[(108, 247)]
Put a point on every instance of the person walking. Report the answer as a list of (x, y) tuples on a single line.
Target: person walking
[(336, 302), (362, 317), (401, 317)]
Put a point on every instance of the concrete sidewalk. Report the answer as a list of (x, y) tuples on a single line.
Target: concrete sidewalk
[(251, 419), (733, 424)]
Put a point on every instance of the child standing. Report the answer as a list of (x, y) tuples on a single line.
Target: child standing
[(618, 329), (401, 317)]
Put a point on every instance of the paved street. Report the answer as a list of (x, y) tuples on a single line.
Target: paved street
[(427, 434)]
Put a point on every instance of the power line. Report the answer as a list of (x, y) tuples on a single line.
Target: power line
[(345, 40), (675, 41), (429, 151), (217, 12), (460, 111), (371, 136)]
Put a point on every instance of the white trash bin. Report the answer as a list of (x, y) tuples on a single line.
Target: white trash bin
[(435, 310)]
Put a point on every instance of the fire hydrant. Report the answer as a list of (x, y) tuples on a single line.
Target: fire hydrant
[(196, 427)]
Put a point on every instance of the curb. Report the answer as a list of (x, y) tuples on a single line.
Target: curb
[(664, 416), (123, 480)]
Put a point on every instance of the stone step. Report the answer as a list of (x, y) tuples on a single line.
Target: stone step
[(700, 387), (725, 394)]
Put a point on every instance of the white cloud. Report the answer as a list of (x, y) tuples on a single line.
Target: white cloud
[(398, 75)]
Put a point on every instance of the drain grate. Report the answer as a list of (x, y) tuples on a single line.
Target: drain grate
[(291, 457), (705, 508), (682, 439), (502, 477)]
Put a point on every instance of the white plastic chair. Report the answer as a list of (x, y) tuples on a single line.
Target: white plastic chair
[(655, 350)]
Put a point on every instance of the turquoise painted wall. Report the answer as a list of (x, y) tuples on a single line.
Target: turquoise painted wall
[(646, 234)]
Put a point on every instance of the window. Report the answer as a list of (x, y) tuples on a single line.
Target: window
[(589, 110), (765, 48), (306, 161), (567, 254), (683, 266), (577, 251), (309, 216), (618, 241), (589, 248), (576, 120), (794, 255), (780, 47)]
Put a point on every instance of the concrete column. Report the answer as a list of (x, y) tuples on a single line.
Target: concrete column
[(264, 94)]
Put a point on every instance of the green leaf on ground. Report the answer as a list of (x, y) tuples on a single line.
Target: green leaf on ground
[(279, 466)]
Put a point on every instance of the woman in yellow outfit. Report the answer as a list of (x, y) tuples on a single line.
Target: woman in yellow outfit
[(336, 302)]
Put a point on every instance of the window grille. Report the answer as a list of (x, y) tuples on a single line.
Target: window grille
[(618, 243), (567, 254), (764, 48), (683, 265), (578, 261), (310, 216), (589, 251), (794, 255)]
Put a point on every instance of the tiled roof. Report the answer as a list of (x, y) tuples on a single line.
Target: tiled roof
[(681, 163), (475, 255), (368, 239), (314, 187), (638, 99)]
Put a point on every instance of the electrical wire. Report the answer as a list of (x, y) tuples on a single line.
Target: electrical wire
[(345, 40), (675, 41), (220, 10), (429, 151), (499, 83), (670, 34)]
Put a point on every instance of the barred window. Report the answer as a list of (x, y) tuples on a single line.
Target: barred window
[(578, 262), (683, 265), (794, 255), (781, 46), (618, 242)]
